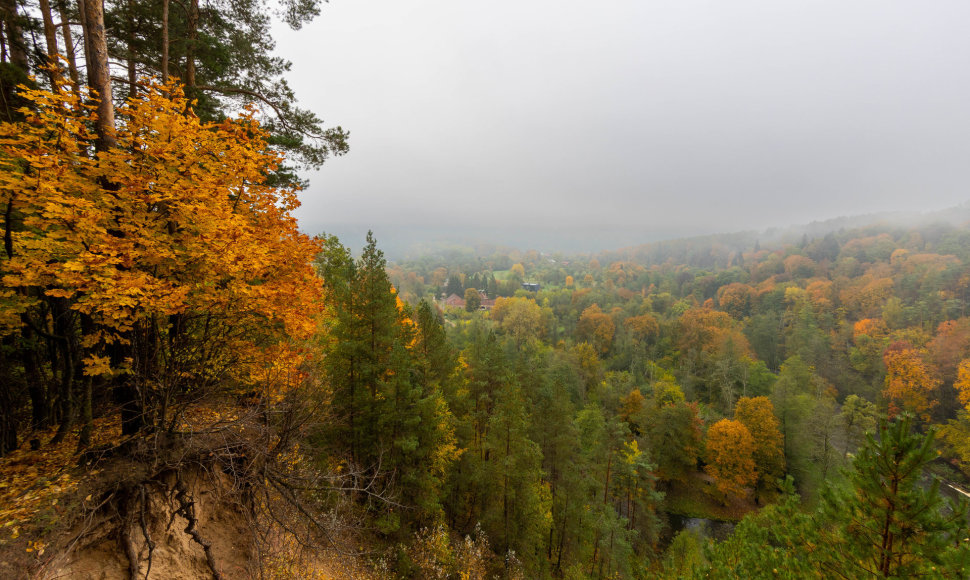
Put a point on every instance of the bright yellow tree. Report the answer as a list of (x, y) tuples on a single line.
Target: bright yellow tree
[(909, 381), (180, 266), (758, 415), (730, 457)]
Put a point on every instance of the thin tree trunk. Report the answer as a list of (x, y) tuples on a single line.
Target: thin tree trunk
[(633, 513), (886, 549), (40, 401), (610, 551), (562, 533), (69, 47), (193, 34), (165, 41), (87, 411), (8, 402), (85, 46), (63, 327), (552, 529), (132, 67), (87, 416), (606, 485), (353, 413), (126, 392), (3, 41)]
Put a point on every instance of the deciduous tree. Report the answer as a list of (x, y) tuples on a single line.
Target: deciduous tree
[(909, 381), (758, 415), (522, 318), (730, 457), (597, 328), (858, 417), (473, 300), (643, 327), (194, 278), (962, 383)]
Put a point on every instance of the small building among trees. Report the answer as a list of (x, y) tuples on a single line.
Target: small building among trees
[(456, 301), (453, 301)]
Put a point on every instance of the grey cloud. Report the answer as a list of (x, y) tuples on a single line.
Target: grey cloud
[(678, 114)]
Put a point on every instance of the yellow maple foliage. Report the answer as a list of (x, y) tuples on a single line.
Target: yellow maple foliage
[(174, 233)]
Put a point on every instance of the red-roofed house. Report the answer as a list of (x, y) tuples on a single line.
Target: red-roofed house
[(456, 301)]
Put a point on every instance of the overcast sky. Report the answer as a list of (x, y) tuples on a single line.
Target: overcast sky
[(672, 115)]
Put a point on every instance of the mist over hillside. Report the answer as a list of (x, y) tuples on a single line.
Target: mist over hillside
[(403, 241)]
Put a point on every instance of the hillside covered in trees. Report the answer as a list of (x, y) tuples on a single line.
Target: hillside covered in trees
[(192, 387), (728, 367)]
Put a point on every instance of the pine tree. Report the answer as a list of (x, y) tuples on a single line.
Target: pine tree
[(386, 375), (558, 437), (424, 446), (779, 541), (364, 344), (343, 347), (516, 506), (887, 523)]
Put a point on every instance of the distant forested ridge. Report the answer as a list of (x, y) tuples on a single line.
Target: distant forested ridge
[(728, 363)]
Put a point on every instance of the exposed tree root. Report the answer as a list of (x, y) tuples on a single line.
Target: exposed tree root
[(144, 530), (187, 510), (127, 541), (155, 478)]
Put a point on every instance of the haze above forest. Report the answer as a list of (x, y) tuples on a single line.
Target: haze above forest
[(630, 122), (402, 241)]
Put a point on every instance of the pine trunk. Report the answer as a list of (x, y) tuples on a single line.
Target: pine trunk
[(50, 36), (99, 76), (165, 41)]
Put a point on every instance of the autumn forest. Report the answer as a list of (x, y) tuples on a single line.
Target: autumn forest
[(193, 387)]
